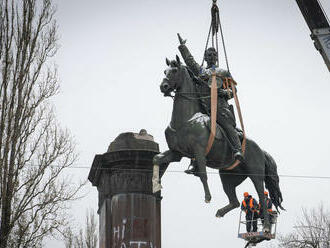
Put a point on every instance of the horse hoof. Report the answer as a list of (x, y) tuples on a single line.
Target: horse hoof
[(218, 214), (207, 199)]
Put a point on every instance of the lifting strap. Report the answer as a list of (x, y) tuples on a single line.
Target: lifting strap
[(214, 105), (214, 98), (232, 83), (214, 27)]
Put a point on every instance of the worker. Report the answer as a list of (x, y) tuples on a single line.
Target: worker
[(250, 207), (269, 206)]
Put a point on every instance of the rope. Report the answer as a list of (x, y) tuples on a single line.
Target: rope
[(207, 42), (215, 24), (223, 44), (217, 50)]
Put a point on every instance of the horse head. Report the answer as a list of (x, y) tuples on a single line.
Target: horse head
[(173, 77)]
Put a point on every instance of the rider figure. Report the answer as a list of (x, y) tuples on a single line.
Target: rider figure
[(225, 116)]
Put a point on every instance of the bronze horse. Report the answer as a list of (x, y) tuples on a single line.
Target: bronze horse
[(187, 136)]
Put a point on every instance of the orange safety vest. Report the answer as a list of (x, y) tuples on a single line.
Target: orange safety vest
[(268, 209), (252, 208)]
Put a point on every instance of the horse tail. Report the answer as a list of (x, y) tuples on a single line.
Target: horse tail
[(272, 181)]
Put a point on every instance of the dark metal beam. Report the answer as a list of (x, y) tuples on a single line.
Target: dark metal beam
[(319, 25), (313, 14)]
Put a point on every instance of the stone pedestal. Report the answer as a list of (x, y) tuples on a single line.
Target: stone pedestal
[(129, 212)]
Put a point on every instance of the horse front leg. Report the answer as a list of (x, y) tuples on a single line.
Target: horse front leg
[(201, 165), (229, 184), (162, 159)]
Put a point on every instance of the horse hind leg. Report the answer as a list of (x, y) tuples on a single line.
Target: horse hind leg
[(259, 186), (229, 184)]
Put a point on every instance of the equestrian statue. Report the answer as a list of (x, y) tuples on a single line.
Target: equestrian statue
[(189, 130)]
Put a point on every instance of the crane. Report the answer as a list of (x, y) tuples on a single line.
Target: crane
[(319, 26)]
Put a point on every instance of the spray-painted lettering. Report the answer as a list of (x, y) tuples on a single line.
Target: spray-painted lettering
[(120, 241)]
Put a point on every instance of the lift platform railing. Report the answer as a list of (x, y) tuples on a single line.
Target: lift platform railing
[(260, 234)]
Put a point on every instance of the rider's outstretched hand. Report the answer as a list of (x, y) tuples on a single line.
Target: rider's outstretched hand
[(182, 42)]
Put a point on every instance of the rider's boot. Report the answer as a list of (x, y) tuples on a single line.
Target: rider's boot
[(192, 168), (237, 147), (234, 142)]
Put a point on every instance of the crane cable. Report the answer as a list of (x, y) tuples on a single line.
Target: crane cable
[(214, 27), (223, 43)]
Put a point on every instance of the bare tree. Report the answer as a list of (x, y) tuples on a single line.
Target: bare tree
[(87, 238), (34, 150), (312, 230)]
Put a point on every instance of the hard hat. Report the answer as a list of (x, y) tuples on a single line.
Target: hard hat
[(266, 193), (246, 194)]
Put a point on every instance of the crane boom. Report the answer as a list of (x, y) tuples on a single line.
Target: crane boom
[(318, 23)]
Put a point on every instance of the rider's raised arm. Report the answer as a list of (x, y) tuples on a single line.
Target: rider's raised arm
[(188, 58)]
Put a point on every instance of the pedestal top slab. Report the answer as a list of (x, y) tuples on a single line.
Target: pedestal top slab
[(129, 151), (134, 141)]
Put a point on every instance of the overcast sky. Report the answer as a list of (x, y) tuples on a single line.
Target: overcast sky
[(111, 63)]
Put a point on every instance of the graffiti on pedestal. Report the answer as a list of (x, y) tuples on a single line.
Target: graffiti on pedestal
[(132, 234)]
